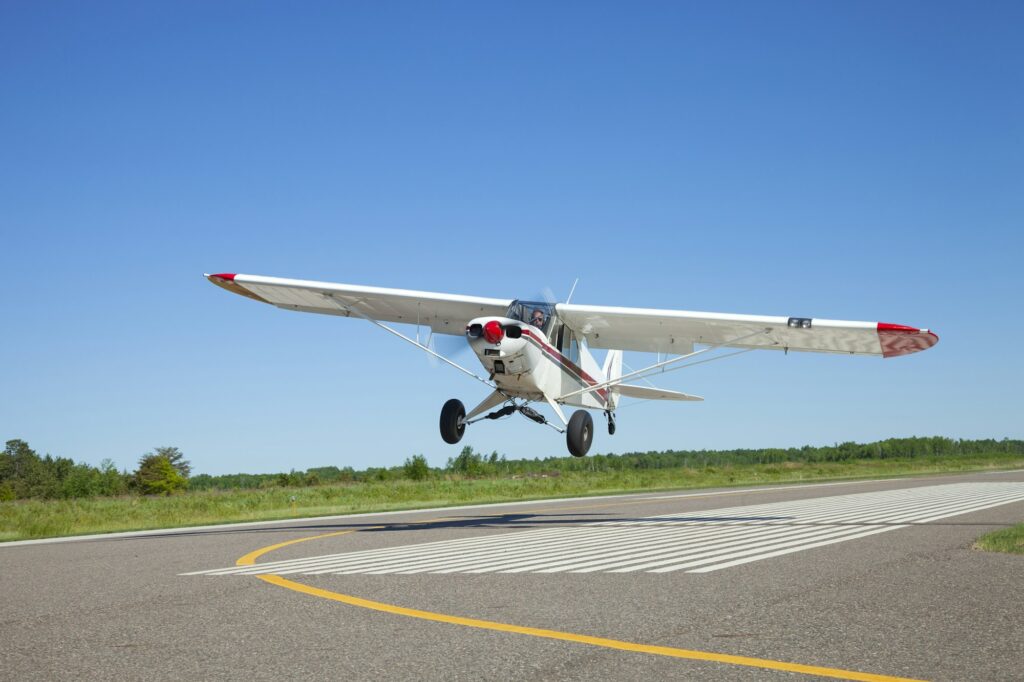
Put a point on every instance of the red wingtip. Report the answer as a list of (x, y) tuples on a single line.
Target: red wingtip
[(226, 280), (899, 339)]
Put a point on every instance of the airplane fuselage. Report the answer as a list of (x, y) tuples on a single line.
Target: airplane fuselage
[(523, 363)]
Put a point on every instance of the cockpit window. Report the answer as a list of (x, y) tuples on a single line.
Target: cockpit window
[(534, 313)]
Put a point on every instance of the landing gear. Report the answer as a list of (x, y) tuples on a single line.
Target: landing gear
[(453, 424), (611, 422), (580, 433)]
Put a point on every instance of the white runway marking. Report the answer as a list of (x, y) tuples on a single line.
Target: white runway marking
[(697, 543)]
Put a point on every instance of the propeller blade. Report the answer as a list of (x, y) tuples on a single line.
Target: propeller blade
[(447, 345)]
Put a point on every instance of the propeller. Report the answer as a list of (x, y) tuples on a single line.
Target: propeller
[(547, 295), (448, 345)]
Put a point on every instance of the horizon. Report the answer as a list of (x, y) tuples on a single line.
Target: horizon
[(538, 458)]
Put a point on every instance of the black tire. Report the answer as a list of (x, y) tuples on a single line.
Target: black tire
[(580, 433), (452, 415)]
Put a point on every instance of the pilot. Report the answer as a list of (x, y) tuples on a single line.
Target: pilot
[(537, 318)]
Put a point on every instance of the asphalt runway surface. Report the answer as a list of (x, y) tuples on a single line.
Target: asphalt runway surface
[(864, 580)]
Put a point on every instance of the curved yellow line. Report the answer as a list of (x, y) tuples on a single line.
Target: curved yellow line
[(691, 654), (250, 558)]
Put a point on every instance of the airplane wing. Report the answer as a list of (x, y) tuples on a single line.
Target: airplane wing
[(443, 313), (675, 331)]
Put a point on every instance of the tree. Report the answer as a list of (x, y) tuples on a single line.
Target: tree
[(416, 468), (29, 475), (177, 460), (468, 463), (113, 482), (157, 476)]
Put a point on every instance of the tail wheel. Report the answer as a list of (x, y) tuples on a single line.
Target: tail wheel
[(452, 425), (580, 433)]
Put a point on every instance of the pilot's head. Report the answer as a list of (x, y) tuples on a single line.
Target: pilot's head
[(537, 317)]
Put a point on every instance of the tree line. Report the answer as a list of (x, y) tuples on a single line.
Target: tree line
[(24, 474)]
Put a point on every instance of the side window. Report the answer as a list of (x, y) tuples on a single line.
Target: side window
[(569, 346)]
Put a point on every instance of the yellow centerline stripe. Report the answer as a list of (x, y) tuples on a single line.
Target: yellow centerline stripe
[(691, 654)]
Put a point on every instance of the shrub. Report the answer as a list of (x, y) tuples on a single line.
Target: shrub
[(416, 468)]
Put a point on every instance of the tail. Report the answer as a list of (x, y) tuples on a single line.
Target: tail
[(612, 371)]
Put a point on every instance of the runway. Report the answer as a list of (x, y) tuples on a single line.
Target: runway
[(864, 580)]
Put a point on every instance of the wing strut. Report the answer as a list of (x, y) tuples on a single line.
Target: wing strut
[(353, 311), (649, 370)]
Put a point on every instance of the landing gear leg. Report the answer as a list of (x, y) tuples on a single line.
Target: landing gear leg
[(611, 422), (453, 421)]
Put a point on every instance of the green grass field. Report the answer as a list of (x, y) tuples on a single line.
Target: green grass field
[(28, 519), (1008, 540)]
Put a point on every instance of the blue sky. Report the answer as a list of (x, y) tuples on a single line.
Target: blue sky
[(847, 160)]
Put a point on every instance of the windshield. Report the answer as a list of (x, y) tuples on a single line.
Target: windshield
[(534, 313)]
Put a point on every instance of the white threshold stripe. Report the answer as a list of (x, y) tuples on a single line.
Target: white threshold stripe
[(757, 556), (664, 537), (582, 564), (721, 534), (710, 553), (899, 521), (918, 510), (519, 543), (440, 547), (689, 551), (912, 494), (576, 533), (737, 562), (265, 568), (518, 547), (744, 530), (888, 517), (447, 550), (781, 552), (357, 561), (568, 543), (604, 552), (258, 568), (698, 542), (580, 537)]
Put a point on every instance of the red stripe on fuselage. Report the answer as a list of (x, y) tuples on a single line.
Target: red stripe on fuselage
[(567, 365)]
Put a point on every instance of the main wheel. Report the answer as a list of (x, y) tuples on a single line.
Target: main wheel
[(580, 433), (452, 426)]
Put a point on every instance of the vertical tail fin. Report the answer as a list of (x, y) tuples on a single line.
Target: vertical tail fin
[(613, 370)]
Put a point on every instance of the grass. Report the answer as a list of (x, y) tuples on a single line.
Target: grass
[(29, 519), (1008, 540)]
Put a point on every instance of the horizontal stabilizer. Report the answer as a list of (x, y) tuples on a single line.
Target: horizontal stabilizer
[(651, 393)]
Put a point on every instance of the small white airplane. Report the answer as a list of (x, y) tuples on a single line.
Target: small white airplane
[(540, 352)]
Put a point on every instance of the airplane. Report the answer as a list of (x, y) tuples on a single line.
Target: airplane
[(539, 352)]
